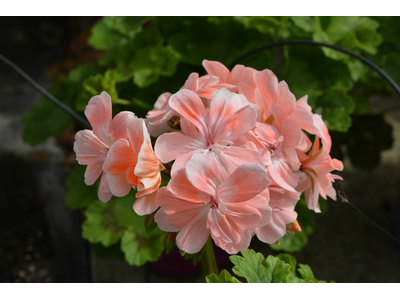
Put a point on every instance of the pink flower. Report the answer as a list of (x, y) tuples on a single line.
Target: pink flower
[(282, 203), (131, 163), (269, 93), (91, 146), (212, 133), (241, 76), (314, 174), (198, 202), (205, 87)]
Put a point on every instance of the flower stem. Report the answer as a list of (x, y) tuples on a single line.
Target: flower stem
[(208, 259)]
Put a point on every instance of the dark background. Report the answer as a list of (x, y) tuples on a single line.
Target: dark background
[(40, 237)]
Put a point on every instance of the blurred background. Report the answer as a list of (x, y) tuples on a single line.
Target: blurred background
[(44, 203)]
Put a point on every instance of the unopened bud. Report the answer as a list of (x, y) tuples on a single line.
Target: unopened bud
[(149, 222), (293, 227), (170, 241)]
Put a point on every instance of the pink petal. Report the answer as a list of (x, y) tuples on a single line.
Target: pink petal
[(148, 165), (120, 157), (243, 184), (98, 112), (222, 108), (93, 172), (193, 236), (119, 186), (104, 192), (220, 227), (283, 175), (162, 220), (117, 129), (171, 146), (217, 69), (190, 106), (162, 101), (285, 99), (305, 120), (180, 187), (137, 133), (191, 82), (203, 174), (241, 122), (89, 148), (243, 74), (260, 202), (232, 157), (146, 204), (245, 217), (267, 83)]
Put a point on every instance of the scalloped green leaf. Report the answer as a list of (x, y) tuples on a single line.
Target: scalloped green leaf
[(224, 277), (94, 85), (151, 62), (126, 216), (79, 195), (291, 243), (140, 249), (290, 260), (100, 225), (255, 268), (306, 272)]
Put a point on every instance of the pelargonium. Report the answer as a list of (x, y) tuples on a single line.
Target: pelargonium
[(243, 151)]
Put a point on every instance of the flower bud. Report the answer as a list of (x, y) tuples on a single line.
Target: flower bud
[(170, 241), (293, 227), (149, 222)]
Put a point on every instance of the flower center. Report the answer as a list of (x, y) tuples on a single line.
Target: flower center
[(213, 202)]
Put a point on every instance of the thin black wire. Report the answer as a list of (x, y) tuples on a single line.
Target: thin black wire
[(305, 42), (345, 199), (45, 93)]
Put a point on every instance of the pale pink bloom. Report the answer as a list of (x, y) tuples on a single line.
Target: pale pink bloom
[(131, 163), (269, 92), (205, 87), (241, 76), (197, 202), (314, 175), (279, 151), (282, 203), (210, 132), (91, 146)]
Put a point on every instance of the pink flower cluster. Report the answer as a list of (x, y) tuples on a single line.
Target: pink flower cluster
[(241, 152)]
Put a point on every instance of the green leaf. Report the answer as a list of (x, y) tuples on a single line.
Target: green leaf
[(255, 268), (224, 277), (290, 260), (80, 73), (126, 216), (79, 195), (305, 23), (94, 85), (348, 32), (291, 243), (306, 272), (103, 37), (113, 251), (138, 244), (151, 62), (140, 249), (100, 225), (46, 119)]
